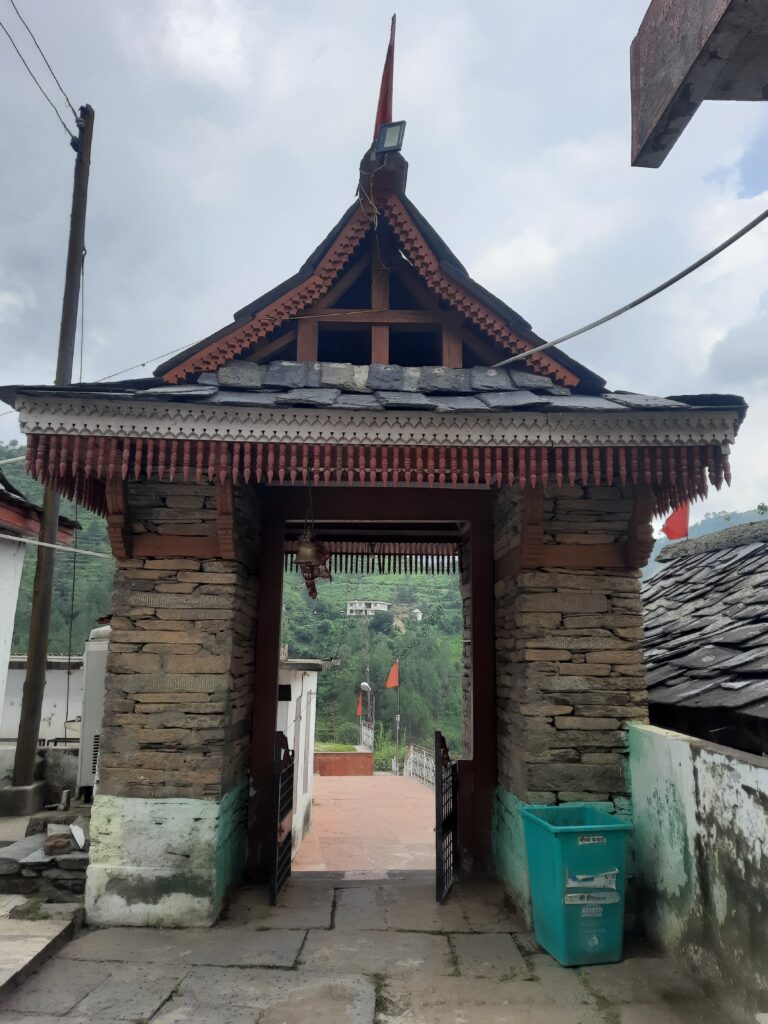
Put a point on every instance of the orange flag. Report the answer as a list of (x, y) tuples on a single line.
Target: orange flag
[(393, 679), (359, 706), (676, 526)]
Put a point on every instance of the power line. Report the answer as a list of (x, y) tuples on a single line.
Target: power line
[(40, 51), (643, 298), (57, 547), (34, 79)]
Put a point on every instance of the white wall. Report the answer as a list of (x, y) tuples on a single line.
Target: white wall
[(701, 850), (296, 718), (11, 564), (54, 698)]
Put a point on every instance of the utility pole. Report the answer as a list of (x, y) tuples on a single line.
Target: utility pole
[(40, 620)]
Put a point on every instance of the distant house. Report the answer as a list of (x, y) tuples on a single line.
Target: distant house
[(706, 644), (417, 614), (367, 607)]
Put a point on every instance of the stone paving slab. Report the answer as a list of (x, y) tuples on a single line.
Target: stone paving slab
[(373, 952), (134, 992), (641, 980), (477, 1001), (491, 956), (231, 947), (57, 987), (302, 904), (303, 997)]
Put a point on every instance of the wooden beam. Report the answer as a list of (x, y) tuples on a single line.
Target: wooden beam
[(345, 281), (482, 349), (429, 317), (118, 519), (531, 528), (265, 349), (379, 301), (306, 342), (452, 355), (417, 290)]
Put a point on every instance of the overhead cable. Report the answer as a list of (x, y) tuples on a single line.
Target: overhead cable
[(40, 51), (643, 298), (34, 79), (57, 547)]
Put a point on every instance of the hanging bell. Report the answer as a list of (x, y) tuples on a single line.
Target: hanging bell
[(309, 551)]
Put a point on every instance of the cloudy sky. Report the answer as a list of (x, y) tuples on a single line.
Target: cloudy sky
[(226, 144)]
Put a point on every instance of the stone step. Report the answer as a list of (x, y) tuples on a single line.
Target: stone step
[(26, 944), (11, 856)]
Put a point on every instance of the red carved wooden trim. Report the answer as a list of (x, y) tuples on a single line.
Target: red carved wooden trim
[(640, 531)]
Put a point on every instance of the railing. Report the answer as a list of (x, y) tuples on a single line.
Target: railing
[(366, 736), (420, 765)]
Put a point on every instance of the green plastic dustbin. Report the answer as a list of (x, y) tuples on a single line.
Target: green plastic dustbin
[(577, 857)]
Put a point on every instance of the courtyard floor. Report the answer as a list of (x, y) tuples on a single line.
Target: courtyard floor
[(337, 951), (369, 823)]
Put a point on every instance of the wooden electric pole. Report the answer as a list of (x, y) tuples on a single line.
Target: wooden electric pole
[(40, 620)]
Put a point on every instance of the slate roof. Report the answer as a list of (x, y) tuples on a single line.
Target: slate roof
[(11, 498), (706, 620), (344, 386)]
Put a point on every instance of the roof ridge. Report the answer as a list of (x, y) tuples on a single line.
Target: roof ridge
[(732, 537)]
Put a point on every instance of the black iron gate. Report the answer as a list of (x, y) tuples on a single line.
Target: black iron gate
[(446, 818), (282, 789)]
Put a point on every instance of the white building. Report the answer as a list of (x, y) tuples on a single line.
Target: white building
[(417, 614), (367, 607)]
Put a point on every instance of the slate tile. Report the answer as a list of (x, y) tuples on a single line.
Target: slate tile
[(486, 378), (405, 400), (338, 375), (534, 381), (348, 401), (282, 374), (254, 398), (389, 378), (241, 375), (444, 380), (633, 401), (513, 399), (309, 396), (459, 403)]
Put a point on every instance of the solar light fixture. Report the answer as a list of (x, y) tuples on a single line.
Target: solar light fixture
[(390, 138)]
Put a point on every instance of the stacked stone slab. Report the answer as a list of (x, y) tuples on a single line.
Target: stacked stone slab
[(569, 667), (170, 816)]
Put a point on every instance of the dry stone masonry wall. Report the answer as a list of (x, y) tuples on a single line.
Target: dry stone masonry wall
[(180, 680)]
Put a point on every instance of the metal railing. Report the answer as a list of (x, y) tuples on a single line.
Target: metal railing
[(420, 764)]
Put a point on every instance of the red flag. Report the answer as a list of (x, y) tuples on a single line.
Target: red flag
[(676, 527), (359, 711), (384, 109), (393, 679)]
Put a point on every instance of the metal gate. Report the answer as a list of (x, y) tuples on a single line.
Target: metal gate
[(446, 818), (282, 788)]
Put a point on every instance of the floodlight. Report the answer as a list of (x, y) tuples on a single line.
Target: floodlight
[(390, 137)]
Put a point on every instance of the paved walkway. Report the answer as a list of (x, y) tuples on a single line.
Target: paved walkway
[(369, 823), (340, 952)]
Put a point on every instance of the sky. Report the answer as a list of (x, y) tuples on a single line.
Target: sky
[(227, 139)]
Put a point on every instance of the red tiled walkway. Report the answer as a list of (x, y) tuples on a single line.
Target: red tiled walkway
[(369, 823)]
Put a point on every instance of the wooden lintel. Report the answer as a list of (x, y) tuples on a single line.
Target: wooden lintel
[(225, 517), (153, 545), (639, 530), (306, 341), (118, 519)]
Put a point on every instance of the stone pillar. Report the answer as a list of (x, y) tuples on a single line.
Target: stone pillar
[(169, 823), (569, 665)]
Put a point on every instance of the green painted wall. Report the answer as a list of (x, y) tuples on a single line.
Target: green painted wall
[(231, 844), (509, 848)]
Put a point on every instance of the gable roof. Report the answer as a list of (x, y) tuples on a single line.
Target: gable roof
[(436, 264), (706, 620)]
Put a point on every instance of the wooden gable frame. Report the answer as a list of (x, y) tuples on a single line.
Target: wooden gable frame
[(445, 304)]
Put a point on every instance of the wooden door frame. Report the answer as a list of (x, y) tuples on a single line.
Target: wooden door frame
[(472, 507)]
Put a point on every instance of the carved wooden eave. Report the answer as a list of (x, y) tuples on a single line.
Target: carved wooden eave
[(77, 444)]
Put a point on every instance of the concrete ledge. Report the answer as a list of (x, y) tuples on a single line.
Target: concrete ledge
[(21, 801)]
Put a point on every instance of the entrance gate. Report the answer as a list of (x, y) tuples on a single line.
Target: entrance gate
[(280, 854), (446, 818)]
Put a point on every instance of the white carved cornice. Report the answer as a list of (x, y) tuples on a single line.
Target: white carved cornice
[(133, 418)]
